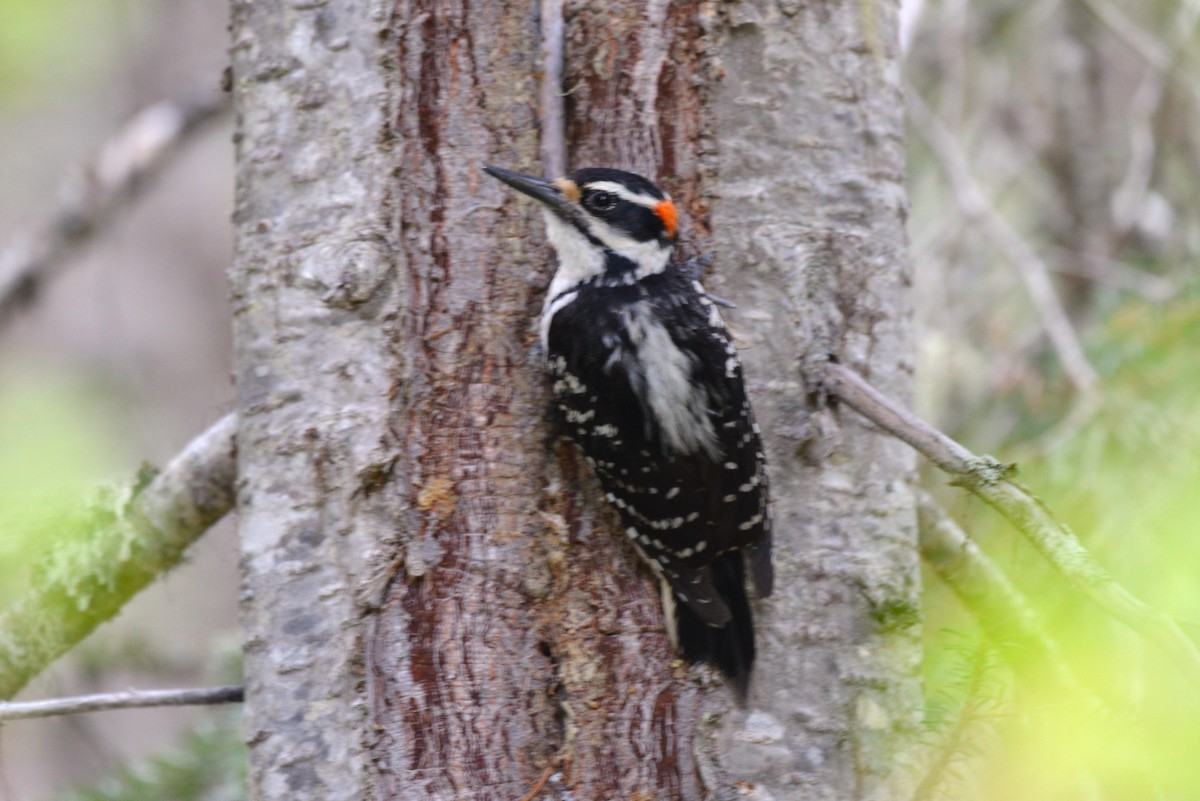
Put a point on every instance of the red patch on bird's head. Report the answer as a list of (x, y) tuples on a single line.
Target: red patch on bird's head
[(665, 210)]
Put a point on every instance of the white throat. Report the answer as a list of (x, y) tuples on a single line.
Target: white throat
[(579, 260)]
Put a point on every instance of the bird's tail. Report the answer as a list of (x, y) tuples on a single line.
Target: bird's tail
[(730, 647)]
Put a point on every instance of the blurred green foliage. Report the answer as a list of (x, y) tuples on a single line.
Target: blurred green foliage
[(1128, 482), (1080, 121), (52, 45), (209, 764), (966, 691), (56, 443)]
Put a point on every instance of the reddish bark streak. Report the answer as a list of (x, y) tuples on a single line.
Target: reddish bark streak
[(509, 645), (609, 125)]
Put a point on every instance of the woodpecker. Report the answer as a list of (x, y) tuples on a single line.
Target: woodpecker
[(646, 380)]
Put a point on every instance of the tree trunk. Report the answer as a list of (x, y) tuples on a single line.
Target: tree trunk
[(808, 217), (437, 606), (313, 281)]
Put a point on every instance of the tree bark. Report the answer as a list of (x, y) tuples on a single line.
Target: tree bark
[(808, 211), (518, 636), (437, 605), (313, 278)]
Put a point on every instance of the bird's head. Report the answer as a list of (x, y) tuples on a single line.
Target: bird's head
[(603, 221)]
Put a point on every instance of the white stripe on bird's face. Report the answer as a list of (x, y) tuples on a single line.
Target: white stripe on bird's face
[(650, 257), (580, 259), (623, 192)]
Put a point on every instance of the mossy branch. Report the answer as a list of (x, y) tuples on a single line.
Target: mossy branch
[(136, 535), (989, 480)]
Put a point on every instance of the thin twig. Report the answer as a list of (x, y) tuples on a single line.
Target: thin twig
[(975, 208), (537, 787), (988, 479), (134, 540), (1106, 270), (1148, 46), (1065, 429), (1127, 31), (140, 150), (910, 18), (130, 699), (1130, 197), (554, 116)]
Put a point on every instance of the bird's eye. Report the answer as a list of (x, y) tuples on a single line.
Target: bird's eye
[(602, 201)]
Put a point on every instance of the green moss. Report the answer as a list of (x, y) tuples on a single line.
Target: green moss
[(895, 614)]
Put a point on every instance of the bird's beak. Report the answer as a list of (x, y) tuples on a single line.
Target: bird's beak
[(547, 192)]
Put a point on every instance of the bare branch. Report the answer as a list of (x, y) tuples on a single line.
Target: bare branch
[(130, 699), (1126, 30), (135, 539), (1105, 270), (988, 479), (1129, 199), (975, 208), (125, 163), (1160, 57), (554, 125), (1066, 427), (910, 17)]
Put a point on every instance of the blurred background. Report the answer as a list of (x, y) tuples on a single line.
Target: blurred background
[(1061, 140), (123, 357), (1054, 156)]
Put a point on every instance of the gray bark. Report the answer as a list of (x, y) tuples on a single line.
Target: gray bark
[(808, 217), (314, 264), (436, 606)]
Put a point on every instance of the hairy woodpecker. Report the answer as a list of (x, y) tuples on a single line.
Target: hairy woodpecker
[(648, 383)]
